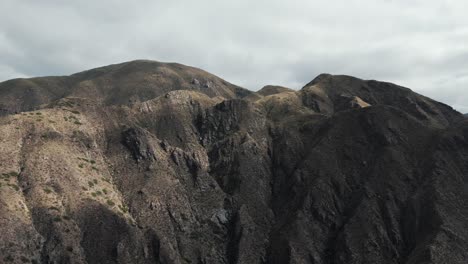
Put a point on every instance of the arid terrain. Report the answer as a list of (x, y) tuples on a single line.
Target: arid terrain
[(149, 162)]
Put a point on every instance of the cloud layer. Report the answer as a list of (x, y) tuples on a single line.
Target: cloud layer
[(419, 44)]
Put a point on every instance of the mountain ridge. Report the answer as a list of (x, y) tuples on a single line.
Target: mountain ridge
[(179, 166)]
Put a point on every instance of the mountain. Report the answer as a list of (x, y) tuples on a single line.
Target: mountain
[(149, 162)]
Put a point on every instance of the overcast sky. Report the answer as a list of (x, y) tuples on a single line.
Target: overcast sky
[(419, 44)]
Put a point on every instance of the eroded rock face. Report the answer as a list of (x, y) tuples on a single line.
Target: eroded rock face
[(342, 171)]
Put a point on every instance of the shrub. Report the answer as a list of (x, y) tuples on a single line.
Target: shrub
[(57, 219), (106, 180), (95, 181), (81, 165), (98, 192), (91, 184), (14, 186), (110, 203), (75, 112), (47, 190), (104, 191), (123, 208), (77, 122)]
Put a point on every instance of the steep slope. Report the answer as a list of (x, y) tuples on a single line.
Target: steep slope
[(342, 171)]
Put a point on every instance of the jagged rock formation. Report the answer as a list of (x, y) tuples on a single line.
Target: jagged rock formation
[(145, 162)]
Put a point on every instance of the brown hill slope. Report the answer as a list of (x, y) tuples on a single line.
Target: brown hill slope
[(343, 171), (119, 84)]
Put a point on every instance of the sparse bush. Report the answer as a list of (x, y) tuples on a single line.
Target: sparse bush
[(75, 112), (106, 180), (94, 168), (123, 208), (90, 183), (99, 193), (10, 174), (47, 190), (110, 203), (104, 191), (77, 122), (14, 186)]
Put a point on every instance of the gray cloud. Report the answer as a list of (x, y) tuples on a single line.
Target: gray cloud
[(419, 44)]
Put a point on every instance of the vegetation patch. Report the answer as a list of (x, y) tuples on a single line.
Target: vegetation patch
[(110, 203), (123, 208), (10, 174), (106, 180), (14, 186)]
